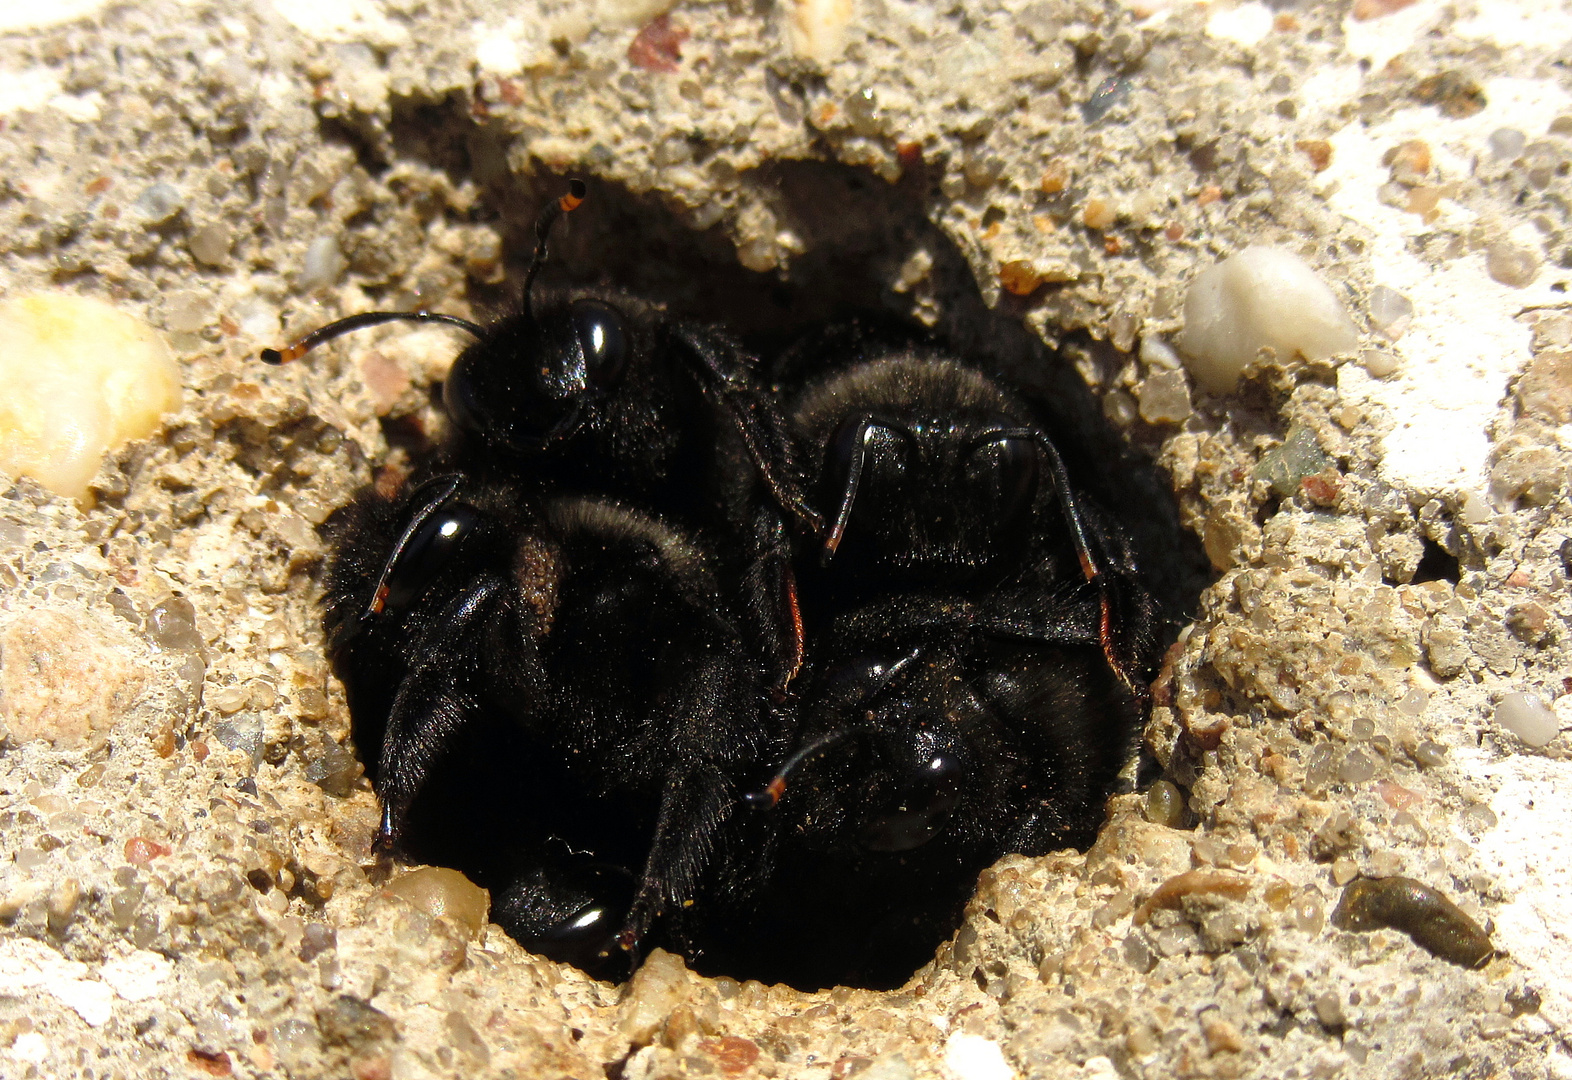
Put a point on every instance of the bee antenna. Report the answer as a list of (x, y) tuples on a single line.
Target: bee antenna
[(359, 322), (566, 204), (770, 794)]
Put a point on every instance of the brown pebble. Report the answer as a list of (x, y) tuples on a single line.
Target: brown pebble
[(1433, 922), (1171, 893), (1319, 151), (1019, 278), (211, 1063), (660, 985), (1423, 201), (376, 1067), (732, 1054), (1397, 796), (1510, 264), (658, 46), (1454, 93), (1529, 623), (1409, 161), (1545, 390), (1056, 177), (1221, 1036)]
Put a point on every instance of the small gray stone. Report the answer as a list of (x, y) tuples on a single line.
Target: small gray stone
[(210, 244), (157, 204)]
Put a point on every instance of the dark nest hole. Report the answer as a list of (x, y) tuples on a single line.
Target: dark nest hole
[(857, 230)]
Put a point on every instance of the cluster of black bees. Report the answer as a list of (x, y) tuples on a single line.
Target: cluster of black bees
[(761, 661)]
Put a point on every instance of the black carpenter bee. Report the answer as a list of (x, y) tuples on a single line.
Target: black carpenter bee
[(629, 586), (980, 640), (563, 637)]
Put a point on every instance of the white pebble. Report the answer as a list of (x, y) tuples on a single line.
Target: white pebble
[(80, 377), (1262, 297), (1379, 363), (817, 28), (973, 1057), (324, 263), (1528, 717), (1157, 353)]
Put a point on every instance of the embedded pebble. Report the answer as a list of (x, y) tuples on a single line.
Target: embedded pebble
[(210, 244), (1308, 914), (157, 204), (1165, 804), (171, 625), (1164, 398), (141, 850), (1110, 92), (1329, 1010), (323, 265), (1510, 264), (1529, 718), (817, 28), (1379, 363), (80, 377), (1413, 703), (1263, 297), (438, 891), (1157, 353), (973, 1057), (659, 986), (1287, 465), (1356, 767), (1433, 922), (335, 769), (188, 312), (1390, 311), (349, 1021), (1172, 892), (1507, 143)]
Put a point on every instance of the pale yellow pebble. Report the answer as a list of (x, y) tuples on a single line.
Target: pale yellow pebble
[(79, 378)]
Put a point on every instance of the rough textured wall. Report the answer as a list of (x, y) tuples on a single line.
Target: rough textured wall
[(187, 886)]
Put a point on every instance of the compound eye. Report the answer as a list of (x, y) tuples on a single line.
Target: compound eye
[(430, 546), (589, 933), (1007, 470), (930, 792), (603, 337), (596, 895)]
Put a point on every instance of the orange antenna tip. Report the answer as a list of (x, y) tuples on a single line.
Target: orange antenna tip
[(577, 190)]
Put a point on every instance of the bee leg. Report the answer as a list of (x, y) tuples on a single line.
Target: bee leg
[(697, 796), (436, 698), (725, 373), (769, 589)]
